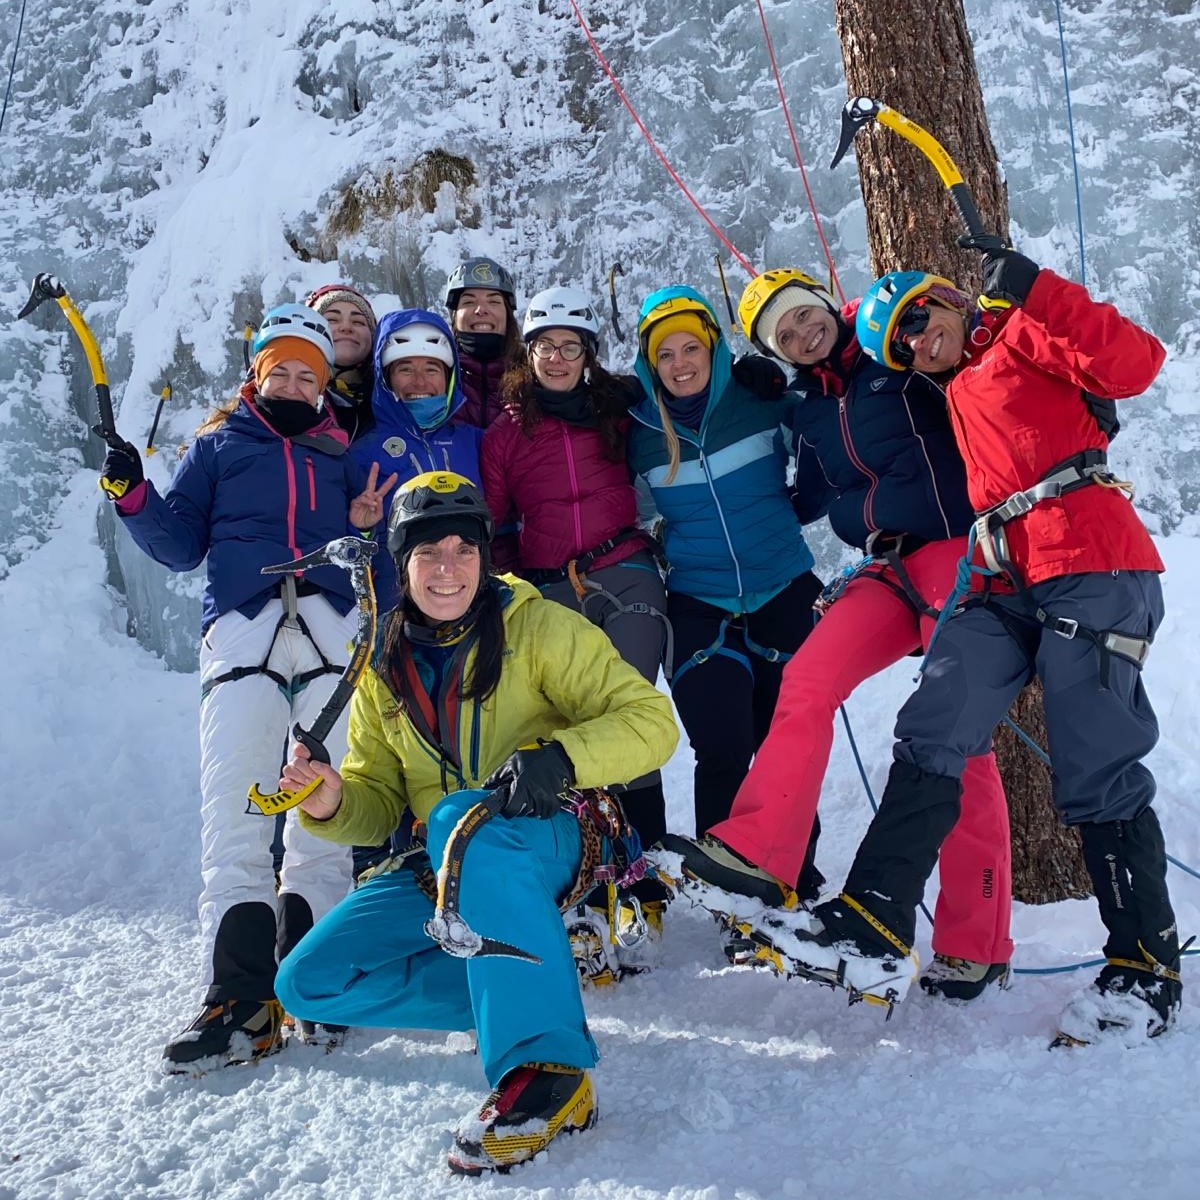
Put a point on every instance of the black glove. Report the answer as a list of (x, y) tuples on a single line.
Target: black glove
[(760, 375), (535, 778), (122, 470), (1008, 275)]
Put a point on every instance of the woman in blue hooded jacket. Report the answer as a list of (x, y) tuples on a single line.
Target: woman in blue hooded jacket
[(740, 585), (417, 392)]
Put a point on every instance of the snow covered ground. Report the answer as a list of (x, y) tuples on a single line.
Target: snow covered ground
[(714, 1083)]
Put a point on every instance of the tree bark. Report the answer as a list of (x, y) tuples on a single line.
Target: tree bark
[(916, 57)]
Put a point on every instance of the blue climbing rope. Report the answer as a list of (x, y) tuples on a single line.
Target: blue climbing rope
[(1062, 46), (12, 68)]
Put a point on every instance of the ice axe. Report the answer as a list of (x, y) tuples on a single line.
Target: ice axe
[(447, 926), (354, 555), (859, 111), (48, 287)]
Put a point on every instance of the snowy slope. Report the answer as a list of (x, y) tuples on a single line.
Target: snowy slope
[(714, 1083)]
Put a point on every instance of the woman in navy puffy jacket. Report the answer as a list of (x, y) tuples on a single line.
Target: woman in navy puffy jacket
[(268, 481)]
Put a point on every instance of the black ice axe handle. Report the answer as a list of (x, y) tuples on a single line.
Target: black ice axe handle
[(860, 111), (48, 287), (447, 926)]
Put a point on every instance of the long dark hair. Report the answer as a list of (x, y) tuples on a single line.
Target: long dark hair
[(610, 399), (484, 620)]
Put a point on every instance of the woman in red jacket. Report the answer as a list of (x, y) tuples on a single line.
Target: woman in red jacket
[(555, 461)]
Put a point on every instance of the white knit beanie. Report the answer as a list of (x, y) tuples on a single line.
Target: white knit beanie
[(788, 297)]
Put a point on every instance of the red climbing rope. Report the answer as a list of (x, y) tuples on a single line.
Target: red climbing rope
[(787, 116), (654, 145)]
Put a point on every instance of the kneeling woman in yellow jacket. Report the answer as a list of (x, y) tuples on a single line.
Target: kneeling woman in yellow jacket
[(473, 666)]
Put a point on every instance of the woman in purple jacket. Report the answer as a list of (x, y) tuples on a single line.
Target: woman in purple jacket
[(267, 481), (555, 461)]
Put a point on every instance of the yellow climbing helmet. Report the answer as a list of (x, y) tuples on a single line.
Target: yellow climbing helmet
[(674, 309), (765, 287)]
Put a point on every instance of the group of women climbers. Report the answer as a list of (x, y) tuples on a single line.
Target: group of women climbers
[(487, 681), (1065, 588), (896, 490)]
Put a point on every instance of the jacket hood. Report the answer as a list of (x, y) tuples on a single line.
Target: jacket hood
[(646, 410), (388, 410)]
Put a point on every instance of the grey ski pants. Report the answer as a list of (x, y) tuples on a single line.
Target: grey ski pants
[(984, 655)]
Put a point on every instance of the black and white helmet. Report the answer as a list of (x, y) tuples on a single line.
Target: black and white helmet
[(417, 340), (562, 308), (483, 273)]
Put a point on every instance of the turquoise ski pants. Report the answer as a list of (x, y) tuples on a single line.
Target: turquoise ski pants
[(369, 962)]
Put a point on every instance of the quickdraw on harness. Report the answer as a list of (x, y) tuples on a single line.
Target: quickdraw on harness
[(587, 590)]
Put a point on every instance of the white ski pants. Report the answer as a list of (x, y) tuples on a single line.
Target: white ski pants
[(245, 727)]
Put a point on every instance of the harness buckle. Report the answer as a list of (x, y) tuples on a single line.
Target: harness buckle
[(1135, 649), (1065, 627)]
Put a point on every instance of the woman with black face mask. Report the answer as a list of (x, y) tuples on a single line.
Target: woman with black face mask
[(555, 462), (481, 300)]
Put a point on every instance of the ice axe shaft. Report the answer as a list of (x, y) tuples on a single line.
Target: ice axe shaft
[(859, 111), (615, 270), (48, 287), (447, 926)]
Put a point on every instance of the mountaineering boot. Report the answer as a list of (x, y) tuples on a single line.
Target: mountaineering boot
[(533, 1104), (717, 877), (1138, 993), (225, 1033), (962, 979), (855, 950)]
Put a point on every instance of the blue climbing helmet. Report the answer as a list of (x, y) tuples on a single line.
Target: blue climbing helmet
[(298, 321), (896, 307)]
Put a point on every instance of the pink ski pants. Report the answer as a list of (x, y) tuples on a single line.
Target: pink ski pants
[(868, 628)]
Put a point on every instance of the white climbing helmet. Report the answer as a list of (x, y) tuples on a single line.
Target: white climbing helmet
[(561, 308), (417, 340)]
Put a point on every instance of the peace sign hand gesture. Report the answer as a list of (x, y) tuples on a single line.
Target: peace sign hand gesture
[(366, 509)]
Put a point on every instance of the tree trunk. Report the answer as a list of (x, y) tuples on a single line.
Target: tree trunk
[(916, 57)]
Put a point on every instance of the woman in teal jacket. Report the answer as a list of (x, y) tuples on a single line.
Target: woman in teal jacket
[(740, 585)]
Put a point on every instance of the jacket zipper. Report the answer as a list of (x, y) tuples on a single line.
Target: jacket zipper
[(575, 510), (312, 483), (290, 464), (848, 442)]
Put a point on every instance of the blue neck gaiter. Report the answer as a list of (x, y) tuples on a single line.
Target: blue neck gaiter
[(428, 411)]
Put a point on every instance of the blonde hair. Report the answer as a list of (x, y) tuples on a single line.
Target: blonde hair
[(671, 436)]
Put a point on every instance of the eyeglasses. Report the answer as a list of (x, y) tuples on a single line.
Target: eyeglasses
[(570, 351)]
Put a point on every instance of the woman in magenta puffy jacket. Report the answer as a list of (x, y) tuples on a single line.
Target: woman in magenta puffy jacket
[(555, 461)]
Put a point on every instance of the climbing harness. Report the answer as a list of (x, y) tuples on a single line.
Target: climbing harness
[(352, 554), (588, 590), (1081, 470), (718, 647)]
